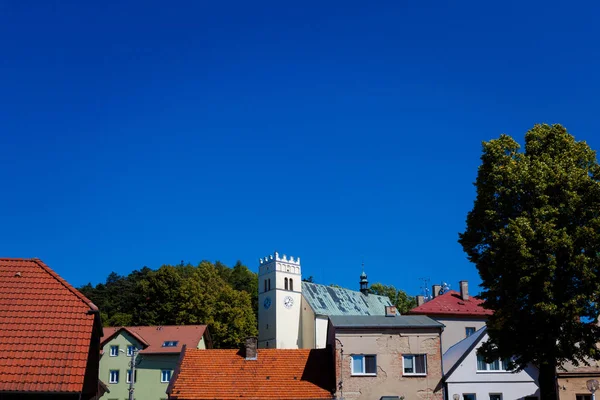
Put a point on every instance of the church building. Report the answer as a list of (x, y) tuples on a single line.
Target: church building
[(294, 315)]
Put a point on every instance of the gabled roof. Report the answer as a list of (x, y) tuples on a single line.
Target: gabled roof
[(377, 321), (152, 337), (451, 304), (275, 374), (46, 329), (328, 300), (457, 353)]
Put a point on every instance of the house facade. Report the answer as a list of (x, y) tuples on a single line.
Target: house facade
[(49, 335), (460, 313), (156, 351), (386, 357), (468, 377), (572, 380), (253, 374), (294, 315)]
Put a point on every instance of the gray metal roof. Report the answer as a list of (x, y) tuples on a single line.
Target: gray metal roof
[(377, 321), (327, 300)]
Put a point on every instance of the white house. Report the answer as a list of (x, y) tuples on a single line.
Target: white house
[(294, 315), (468, 377)]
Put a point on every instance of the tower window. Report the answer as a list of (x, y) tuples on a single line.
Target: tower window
[(291, 284), (265, 286), (269, 283), (286, 283)]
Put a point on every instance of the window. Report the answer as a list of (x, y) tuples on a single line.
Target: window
[(583, 397), (130, 350), (469, 396), (469, 330), (495, 396), (286, 283), (170, 343), (129, 376), (495, 366), (364, 364), (291, 284), (269, 280), (415, 364), (165, 375), (114, 351), (113, 376), (265, 286)]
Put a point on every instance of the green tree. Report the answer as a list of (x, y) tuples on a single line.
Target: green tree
[(399, 298), (206, 298), (159, 297), (534, 235)]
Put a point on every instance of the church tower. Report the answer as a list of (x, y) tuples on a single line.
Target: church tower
[(279, 301)]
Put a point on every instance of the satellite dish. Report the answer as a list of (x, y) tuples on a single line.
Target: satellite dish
[(592, 385)]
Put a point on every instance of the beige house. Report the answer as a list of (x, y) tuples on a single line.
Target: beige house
[(461, 314), (571, 380), (386, 357)]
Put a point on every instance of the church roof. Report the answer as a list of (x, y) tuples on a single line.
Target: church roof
[(328, 300)]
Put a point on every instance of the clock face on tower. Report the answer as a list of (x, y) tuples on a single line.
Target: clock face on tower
[(267, 303), (288, 302)]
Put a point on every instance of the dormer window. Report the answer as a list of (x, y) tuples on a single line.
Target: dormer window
[(170, 343)]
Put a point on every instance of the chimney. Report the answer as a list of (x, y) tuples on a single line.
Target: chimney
[(464, 290), (436, 290), (420, 300), (251, 344)]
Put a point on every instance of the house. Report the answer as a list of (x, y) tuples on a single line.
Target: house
[(156, 350), (460, 313), (386, 357), (294, 315), (468, 377), (572, 380), (49, 335), (253, 374)]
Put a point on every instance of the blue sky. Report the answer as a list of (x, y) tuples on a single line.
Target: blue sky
[(139, 134)]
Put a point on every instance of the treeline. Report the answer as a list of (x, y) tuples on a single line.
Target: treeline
[(226, 299)]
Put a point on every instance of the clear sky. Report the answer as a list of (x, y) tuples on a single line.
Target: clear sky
[(150, 132)]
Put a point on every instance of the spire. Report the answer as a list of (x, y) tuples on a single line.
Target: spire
[(364, 283)]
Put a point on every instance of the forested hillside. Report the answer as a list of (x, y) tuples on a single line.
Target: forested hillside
[(224, 298)]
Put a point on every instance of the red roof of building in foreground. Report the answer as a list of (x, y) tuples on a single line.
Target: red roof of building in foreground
[(153, 337), (275, 374), (451, 304), (46, 328)]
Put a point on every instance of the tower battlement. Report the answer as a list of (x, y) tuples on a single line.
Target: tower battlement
[(276, 257)]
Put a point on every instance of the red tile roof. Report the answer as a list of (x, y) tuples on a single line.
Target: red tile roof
[(153, 337), (275, 374), (451, 304), (45, 329)]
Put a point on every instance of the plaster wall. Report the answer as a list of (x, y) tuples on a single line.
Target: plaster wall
[(389, 348), (570, 387), (307, 318), (321, 324), (482, 390), (454, 330)]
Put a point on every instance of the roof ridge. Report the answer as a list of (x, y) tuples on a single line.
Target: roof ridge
[(66, 284)]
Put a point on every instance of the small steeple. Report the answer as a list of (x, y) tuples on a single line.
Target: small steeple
[(364, 283)]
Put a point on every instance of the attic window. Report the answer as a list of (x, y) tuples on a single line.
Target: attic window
[(170, 343)]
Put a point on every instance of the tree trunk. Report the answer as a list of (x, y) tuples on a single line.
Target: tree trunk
[(547, 381)]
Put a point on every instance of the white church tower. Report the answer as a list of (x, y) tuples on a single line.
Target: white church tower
[(279, 301)]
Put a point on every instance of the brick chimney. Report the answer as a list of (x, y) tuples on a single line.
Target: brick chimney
[(464, 290), (251, 344), (436, 290), (420, 300)]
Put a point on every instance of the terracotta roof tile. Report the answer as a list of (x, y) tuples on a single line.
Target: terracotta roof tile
[(275, 374), (153, 337), (450, 303), (45, 329)]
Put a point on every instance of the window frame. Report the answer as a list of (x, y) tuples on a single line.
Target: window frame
[(128, 376), (502, 366), (170, 343), (414, 355), (469, 328), (364, 364), (116, 352), (470, 394), (110, 376), (162, 372), (130, 350), (495, 394)]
